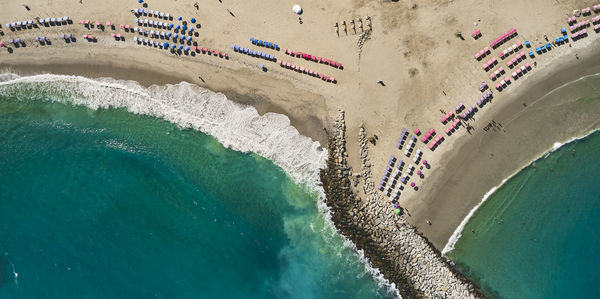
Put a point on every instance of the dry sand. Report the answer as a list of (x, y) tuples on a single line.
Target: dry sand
[(412, 49)]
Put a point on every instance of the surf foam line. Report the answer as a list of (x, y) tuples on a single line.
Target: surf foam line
[(459, 230), (234, 125)]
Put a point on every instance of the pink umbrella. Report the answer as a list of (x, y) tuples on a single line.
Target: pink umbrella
[(431, 131), (80, 21), (122, 26), (333, 79), (126, 26), (1, 44), (107, 23), (97, 23), (337, 64), (112, 34), (85, 36), (87, 22), (118, 35)]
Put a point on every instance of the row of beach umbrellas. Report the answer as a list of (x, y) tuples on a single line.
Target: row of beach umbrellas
[(484, 98), (502, 38), (265, 44), (155, 13), (313, 58), (307, 71), (252, 53), (29, 23), (506, 52)]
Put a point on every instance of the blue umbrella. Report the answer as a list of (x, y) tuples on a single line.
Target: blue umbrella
[(37, 38), (261, 66), (140, 1), (563, 30), (254, 42), (166, 45), (170, 25), (260, 43), (182, 37), (173, 46), (179, 18), (168, 34), (184, 28), (180, 47), (177, 27), (193, 20), (175, 35), (189, 39), (275, 46), (191, 30), (251, 39), (187, 49)]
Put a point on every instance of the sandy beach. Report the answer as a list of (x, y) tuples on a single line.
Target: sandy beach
[(413, 51)]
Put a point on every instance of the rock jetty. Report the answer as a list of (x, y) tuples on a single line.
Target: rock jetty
[(392, 245)]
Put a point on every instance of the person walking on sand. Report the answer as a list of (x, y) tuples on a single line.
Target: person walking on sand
[(428, 222)]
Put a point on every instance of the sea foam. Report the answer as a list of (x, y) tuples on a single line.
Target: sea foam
[(458, 232), (236, 126)]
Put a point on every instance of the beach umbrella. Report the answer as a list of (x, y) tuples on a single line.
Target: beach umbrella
[(182, 37), (118, 35), (97, 23), (187, 49), (191, 30), (297, 9), (180, 47), (140, 1), (179, 18), (173, 46), (166, 45), (261, 66), (184, 28), (189, 39), (18, 40), (170, 25), (168, 34), (175, 35), (37, 38), (193, 20), (1, 44), (397, 211), (177, 27), (108, 23)]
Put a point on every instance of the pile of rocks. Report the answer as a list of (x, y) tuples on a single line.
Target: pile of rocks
[(392, 245)]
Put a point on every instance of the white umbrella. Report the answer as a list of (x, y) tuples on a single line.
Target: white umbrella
[(297, 9)]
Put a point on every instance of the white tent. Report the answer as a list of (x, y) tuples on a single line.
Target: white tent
[(297, 9)]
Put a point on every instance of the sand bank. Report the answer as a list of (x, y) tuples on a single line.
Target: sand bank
[(545, 109)]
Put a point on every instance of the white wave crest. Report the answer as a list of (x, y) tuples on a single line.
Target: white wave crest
[(458, 232), (236, 126)]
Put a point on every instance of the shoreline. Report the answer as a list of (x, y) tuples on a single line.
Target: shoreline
[(455, 237), (544, 108)]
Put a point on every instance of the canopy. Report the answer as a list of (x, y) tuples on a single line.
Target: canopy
[(297, 9), (193, 20)]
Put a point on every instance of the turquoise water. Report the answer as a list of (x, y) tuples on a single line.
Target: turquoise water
[(108, 204), (538, 236)]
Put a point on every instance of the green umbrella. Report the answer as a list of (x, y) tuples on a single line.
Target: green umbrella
[(397, 211)]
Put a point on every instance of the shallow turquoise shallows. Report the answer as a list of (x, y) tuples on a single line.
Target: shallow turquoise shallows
[(538, 236), (108, 204)]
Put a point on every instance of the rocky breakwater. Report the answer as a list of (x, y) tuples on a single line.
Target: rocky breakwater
[(392, 245)]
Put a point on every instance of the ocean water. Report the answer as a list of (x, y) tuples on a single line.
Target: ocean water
[(538, 235), (99, 202)]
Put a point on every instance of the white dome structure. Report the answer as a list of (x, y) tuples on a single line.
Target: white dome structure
[(297, 9)]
